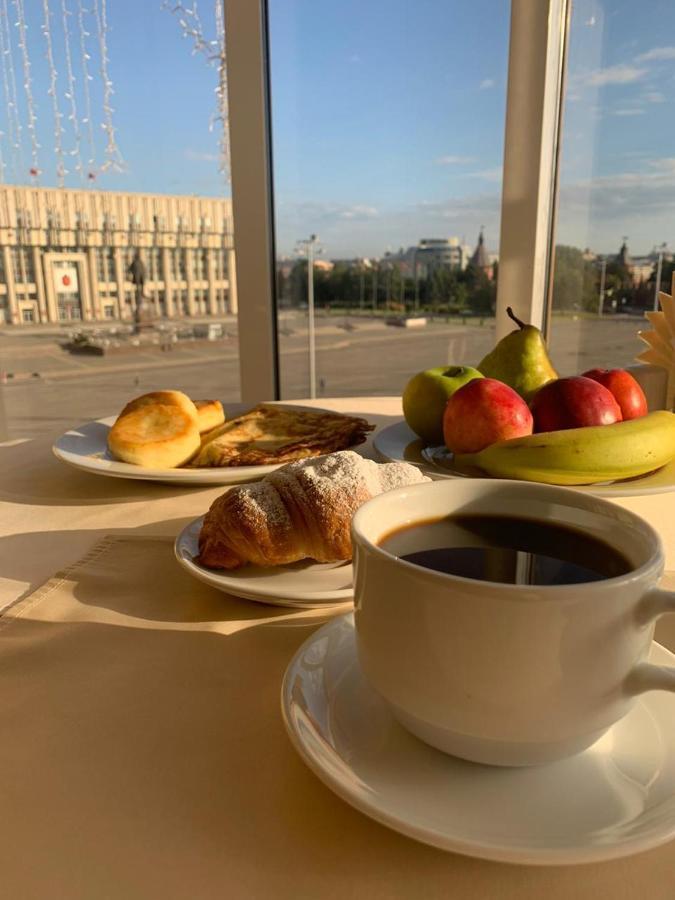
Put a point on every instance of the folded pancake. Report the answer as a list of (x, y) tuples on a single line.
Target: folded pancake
[(270, 434)]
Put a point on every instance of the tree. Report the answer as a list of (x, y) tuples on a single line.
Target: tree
[(576, 281)]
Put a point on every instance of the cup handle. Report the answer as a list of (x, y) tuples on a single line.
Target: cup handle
[(645, 676)]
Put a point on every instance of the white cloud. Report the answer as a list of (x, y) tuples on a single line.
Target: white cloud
[(665, 164), (486, 83), (619, 74), (454, 160), (398, 226), (656, 54), (596, 212), (494, 174), (654, 97), (628, 111), (358, 211), (199, 156), (646, 188)]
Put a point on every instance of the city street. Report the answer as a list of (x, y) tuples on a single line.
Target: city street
[(354, 357)]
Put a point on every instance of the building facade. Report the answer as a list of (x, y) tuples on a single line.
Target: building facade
[(65, 255), (431, 254), (439, 253)]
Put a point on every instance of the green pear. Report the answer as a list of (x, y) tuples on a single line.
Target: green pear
[(426, 395), (520, 360)]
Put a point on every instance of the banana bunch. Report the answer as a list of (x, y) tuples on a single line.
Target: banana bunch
[(582, 455)]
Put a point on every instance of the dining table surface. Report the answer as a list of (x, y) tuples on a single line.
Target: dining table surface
[(142, 748)]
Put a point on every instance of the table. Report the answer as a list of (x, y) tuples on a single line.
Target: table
[(181, 783)]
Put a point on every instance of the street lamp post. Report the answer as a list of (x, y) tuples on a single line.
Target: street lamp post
[(417, 283), (308, 246), (659, 269), (601, 299)]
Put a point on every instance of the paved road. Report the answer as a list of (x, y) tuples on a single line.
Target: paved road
[(372, 359)]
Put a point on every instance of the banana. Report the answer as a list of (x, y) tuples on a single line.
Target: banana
[(582, 455)]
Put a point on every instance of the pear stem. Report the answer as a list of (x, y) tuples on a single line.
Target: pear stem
[(510, 313)]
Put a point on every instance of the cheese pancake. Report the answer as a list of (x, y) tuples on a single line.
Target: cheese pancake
[(211, 414), (154, 435), (275, 434)]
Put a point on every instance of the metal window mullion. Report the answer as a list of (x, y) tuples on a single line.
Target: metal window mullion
[(533, 117), (252, 198)]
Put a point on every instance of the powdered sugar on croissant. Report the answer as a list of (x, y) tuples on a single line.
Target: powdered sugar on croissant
[(303, 510)]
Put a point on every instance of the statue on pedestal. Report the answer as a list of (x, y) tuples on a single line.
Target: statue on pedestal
[(143, 316)]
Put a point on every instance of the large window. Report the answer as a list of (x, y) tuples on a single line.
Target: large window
[(112, 143), (387, 123), (615, 224)]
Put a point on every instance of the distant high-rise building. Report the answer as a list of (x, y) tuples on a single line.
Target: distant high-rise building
[(431, 254)]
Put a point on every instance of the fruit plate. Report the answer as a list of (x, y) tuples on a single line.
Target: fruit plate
[(397, 443), (86, 448), (302, 585)]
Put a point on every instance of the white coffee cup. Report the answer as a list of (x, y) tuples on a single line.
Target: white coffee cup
[(497, 673)]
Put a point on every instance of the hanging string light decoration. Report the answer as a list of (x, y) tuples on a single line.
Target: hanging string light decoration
[(222, 117), (70, 93), (10, 93), (52, 92), (213, 50), (34, 170), (113, 156), (63, 25), (86, 78)]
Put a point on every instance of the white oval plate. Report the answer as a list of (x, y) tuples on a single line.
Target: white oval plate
[(398, 443), (86, 448), (612, 800), (304, 585)]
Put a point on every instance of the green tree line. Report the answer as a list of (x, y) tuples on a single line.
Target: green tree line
[(384, 288), (577, 283)]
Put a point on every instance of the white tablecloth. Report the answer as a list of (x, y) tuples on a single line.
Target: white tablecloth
[(142, 751)]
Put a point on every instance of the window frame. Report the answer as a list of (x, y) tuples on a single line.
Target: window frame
[(539, 33)]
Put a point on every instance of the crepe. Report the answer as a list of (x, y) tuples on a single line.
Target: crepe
[(276, 434)]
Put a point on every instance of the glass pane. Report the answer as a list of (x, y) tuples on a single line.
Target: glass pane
[(387, 122), (115, 220), (614, 234)]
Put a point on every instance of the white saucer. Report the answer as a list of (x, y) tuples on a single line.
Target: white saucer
[(398, 443), (304, 585), (612, 800), (86, 448)]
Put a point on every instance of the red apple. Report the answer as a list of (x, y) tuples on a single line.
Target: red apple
[(573, 403), (482, 412), (625, 390)]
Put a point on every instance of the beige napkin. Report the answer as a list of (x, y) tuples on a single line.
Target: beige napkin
[(142, 755)]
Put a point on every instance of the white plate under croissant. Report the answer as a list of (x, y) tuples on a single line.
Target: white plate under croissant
[(305, 584), (286, 539)]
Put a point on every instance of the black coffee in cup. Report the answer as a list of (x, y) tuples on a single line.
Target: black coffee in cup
[(507, 550)]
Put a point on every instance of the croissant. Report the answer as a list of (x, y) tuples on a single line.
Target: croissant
[(302, 510)]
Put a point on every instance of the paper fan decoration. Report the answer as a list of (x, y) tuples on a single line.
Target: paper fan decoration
[(661, 341)]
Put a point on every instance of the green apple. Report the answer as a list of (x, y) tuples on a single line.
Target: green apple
[(426, 395)]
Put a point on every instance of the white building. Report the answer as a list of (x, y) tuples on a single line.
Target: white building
[(65, 255)]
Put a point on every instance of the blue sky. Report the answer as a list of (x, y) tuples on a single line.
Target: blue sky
[(388, 117)]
